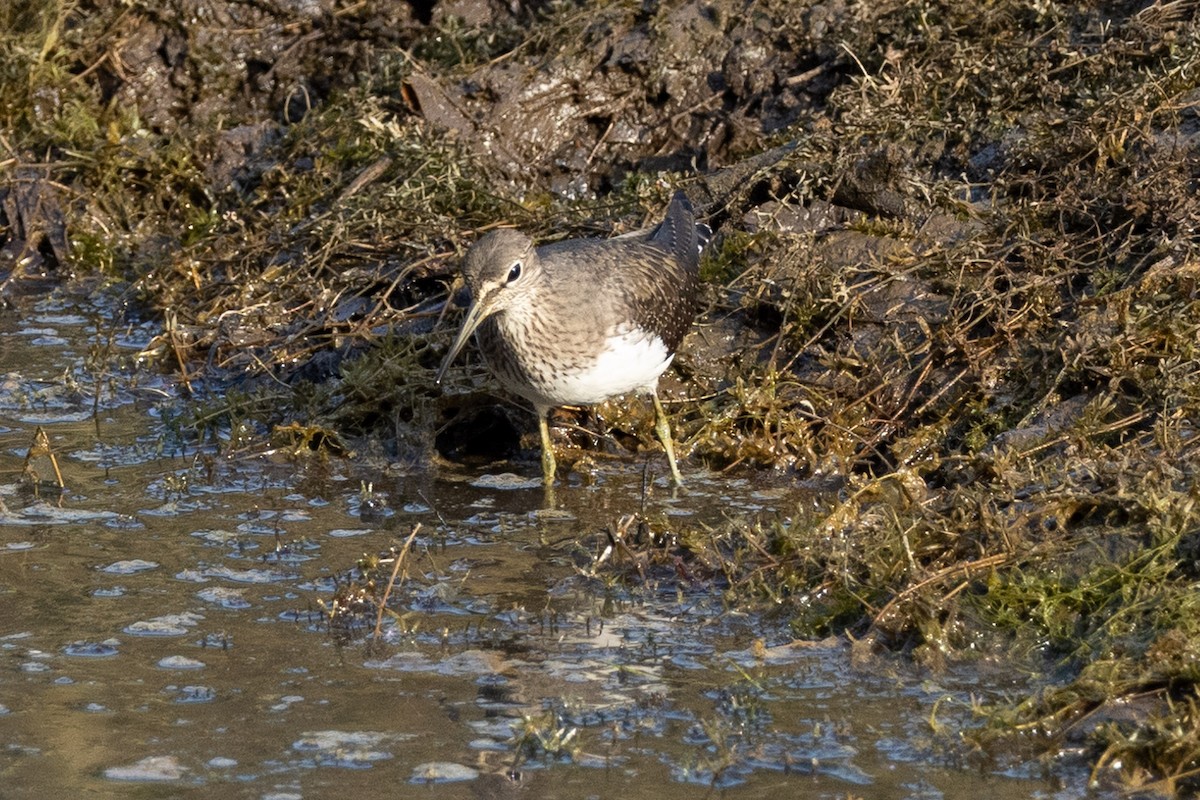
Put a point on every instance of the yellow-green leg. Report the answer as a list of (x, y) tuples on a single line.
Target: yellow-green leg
[(663, 429), (549, 466)]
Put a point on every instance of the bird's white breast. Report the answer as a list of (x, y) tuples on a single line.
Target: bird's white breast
[(631, 361)]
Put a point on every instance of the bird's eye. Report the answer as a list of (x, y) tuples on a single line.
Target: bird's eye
[(514, 273)]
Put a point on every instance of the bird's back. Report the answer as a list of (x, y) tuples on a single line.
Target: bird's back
[(648, 282)]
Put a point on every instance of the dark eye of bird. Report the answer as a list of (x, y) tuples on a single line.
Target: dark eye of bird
[(514, 273)]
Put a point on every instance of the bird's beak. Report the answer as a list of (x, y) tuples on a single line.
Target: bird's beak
[(476, 314)]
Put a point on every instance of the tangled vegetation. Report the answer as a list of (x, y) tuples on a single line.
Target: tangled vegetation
[(955, 286)]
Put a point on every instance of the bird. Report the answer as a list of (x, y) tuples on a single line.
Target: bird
[(576, 322)]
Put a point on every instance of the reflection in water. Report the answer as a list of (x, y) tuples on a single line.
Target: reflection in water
[(163, 625)]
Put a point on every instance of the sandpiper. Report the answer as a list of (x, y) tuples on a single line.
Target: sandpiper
[(576, 322)]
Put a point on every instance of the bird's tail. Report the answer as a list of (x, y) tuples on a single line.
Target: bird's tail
[(679, 233)]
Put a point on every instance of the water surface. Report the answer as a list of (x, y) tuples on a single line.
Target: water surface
[(164, 631)]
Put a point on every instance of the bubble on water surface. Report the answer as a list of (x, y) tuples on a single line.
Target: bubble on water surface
[(129, 566), (224, 597), (166, 625), (194, 694), (91, 649), (180, 662), (442, 772), (152, 769), (349, 749), (246, 575), (506, 481)]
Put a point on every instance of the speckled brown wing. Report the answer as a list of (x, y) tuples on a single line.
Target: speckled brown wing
[(667, 305), (659, 293)]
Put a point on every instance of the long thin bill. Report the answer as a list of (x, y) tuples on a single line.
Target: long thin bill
[(474, 317)]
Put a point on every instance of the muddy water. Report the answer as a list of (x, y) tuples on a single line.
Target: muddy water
[(162, 633)]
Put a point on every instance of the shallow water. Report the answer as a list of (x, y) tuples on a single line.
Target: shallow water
[(163, 627)]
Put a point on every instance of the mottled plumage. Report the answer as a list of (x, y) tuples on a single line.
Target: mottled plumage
[(580, 321)]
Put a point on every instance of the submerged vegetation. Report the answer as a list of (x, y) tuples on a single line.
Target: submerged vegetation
[(955, 286)]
